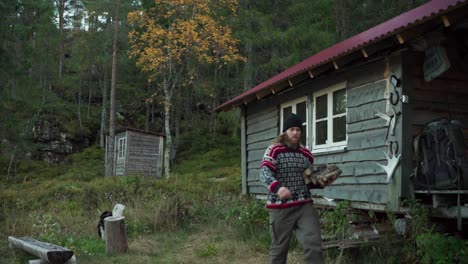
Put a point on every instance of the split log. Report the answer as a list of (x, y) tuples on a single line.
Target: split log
[(49, 252), (116, 234)]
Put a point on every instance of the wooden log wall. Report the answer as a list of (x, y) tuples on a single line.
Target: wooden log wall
[(362, 179), (144, 154)]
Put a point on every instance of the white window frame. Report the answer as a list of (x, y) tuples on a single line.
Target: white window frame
[(293, 104), (122, 148), (329, 146)]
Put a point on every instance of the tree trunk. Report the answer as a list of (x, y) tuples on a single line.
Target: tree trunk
[(152, 112), (116, 235), (111, 147), (167, 129), (61, 9), (79, 106), (89, 94), (177, 134), (12, 159), (103, 110), (147, 116), (248, 65)]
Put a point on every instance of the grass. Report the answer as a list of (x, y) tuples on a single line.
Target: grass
[(184, 219), (195, 216)]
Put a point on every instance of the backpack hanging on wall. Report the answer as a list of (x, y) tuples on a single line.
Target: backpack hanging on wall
[(439, 151)]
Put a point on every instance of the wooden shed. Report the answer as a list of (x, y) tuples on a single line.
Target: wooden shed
[(346, 92), (137, 153)]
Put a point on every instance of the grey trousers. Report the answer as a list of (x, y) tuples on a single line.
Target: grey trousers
[(304, 221)]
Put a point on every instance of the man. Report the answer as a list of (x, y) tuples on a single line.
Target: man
[(289, 200)]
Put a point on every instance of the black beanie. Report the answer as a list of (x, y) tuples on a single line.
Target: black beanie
[(292, 121)]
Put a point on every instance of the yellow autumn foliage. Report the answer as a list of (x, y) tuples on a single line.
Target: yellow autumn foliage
[(172, 31)]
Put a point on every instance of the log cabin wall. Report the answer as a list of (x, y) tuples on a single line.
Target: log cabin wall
[(362, 180)]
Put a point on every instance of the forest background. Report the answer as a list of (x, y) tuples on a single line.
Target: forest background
[(69, 76)]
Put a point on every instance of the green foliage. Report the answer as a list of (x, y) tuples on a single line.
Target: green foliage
[(336, 221), (208, 251), (437, 248), (45, 228), (420, 221), (86, 165)]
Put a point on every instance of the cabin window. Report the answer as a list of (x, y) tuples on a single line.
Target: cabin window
[(329, 115), (122, 148), (299, 107)]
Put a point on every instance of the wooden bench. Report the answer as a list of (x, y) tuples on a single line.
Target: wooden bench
[(47, 252)]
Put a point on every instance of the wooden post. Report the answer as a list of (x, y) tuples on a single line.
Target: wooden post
[(116, 235), (46, 251)]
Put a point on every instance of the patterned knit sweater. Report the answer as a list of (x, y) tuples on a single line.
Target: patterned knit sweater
[(282, 166)]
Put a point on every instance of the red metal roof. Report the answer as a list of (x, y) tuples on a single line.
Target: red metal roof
[(385, 29)]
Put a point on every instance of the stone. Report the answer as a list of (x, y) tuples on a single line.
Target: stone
[(402, 226)]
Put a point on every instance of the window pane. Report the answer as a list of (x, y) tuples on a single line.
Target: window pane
[(321, 108), (321, 133), (301, 111), (339, 129), (286, 112), (304, 135), (339, 101)]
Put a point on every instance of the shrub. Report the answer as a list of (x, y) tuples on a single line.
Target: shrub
[(335, 221), (437, 248)]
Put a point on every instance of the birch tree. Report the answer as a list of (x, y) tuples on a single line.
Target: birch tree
[(170, 34)]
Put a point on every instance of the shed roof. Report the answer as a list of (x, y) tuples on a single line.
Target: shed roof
[(386, 29)]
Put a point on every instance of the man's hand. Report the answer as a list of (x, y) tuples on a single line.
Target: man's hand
[(284, 193)]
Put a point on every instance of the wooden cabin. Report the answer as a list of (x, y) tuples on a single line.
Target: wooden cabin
[(344, 93), (137, 153)]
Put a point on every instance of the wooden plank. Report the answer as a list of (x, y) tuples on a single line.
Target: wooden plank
[(365, 74), (421, 117), (243, 151), (405, 167), (254, 155), (260, 145), (366, 111), (366, 125), (440, 96), (447, 85), (263, 125), (254, 116), (258, 190), (46, 251), (348, 180), (269, 134), (253, 165), (376, 154), (366, 94), (375, 193), (253, 174), (361, 168), (370, 139), (440, 107)]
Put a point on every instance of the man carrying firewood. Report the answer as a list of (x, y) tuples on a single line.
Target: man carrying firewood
[(287, 171)]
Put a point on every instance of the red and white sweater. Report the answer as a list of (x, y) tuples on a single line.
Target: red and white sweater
[(282, 166)]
